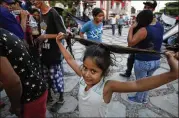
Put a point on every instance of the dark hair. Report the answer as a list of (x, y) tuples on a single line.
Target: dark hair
[(144, 18), (96, 11), (151, 3), (101, 56), (33, 10)]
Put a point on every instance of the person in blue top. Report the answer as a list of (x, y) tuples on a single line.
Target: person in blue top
[(120, 24), (8, 21), (94, 28), (146, 37)]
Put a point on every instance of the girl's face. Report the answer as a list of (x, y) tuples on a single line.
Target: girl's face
[(36, 15), (99, 17), (91, 73)]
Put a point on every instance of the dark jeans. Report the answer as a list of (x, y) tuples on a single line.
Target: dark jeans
[(113, 29), (130, 63), (119, 29)]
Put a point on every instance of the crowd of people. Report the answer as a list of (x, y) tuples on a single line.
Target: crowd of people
[(32, 50)]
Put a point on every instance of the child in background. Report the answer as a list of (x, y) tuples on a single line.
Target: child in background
[(93, 28), (95, 90)]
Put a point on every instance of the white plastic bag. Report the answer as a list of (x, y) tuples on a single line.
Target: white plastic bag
[(34, 26)]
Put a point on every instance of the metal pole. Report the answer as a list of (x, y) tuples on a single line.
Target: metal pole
[(107, 10)]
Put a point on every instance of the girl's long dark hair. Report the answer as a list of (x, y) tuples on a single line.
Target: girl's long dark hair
[(143, 19)]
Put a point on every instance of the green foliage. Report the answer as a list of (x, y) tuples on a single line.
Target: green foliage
[(171, 9), (69, 3)]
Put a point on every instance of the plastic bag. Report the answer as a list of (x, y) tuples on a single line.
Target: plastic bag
[(34, 26)]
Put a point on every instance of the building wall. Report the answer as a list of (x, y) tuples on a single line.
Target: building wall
[(116, 8)]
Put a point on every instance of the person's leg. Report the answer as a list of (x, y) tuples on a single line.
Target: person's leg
[(118, 29), (58, 86), (140, 69), (130, 63), (45, 74), (121, 29), (154, 65), (36, 108), (113, 29)]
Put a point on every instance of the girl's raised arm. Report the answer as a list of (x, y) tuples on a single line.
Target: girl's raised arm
[(147, 83), (72, 63)]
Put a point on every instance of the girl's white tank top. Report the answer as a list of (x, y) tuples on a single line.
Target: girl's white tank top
[(91, 103)]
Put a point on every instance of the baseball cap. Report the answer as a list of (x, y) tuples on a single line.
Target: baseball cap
[(151, 3), (9, 1), (59, 5)]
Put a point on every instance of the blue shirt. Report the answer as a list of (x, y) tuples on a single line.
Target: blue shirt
[(121, 21), (93, 31), (8, 22), (153, 41)]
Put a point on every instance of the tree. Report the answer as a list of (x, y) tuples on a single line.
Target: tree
[(133, 10), (68, 3), (171, 9)]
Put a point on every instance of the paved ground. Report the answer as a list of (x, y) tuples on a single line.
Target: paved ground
[(163, 101)]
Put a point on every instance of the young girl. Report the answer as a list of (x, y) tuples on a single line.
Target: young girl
[(95, 90), (93, 28)]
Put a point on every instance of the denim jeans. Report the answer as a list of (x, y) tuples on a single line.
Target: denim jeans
[(144, 69), (113, 29)]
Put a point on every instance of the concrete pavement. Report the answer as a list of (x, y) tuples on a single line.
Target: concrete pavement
[(163, 101)]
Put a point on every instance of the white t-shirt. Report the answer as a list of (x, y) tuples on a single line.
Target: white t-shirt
[(113, 20), (91, 103)]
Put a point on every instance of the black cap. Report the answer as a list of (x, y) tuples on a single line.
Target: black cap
[(151, 3)]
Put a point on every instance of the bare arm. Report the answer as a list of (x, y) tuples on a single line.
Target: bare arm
[(73, 64), (11, 82), (137, 37), (23, 15), (144, 84), (47, 36)]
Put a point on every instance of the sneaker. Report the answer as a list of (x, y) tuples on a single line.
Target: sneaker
[(124, 75), (145, 101), (57, 106), (133, 99)]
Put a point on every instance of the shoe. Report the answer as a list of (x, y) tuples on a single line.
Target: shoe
[(124, 75), (133, 99), (145, 101), (57, 106)]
